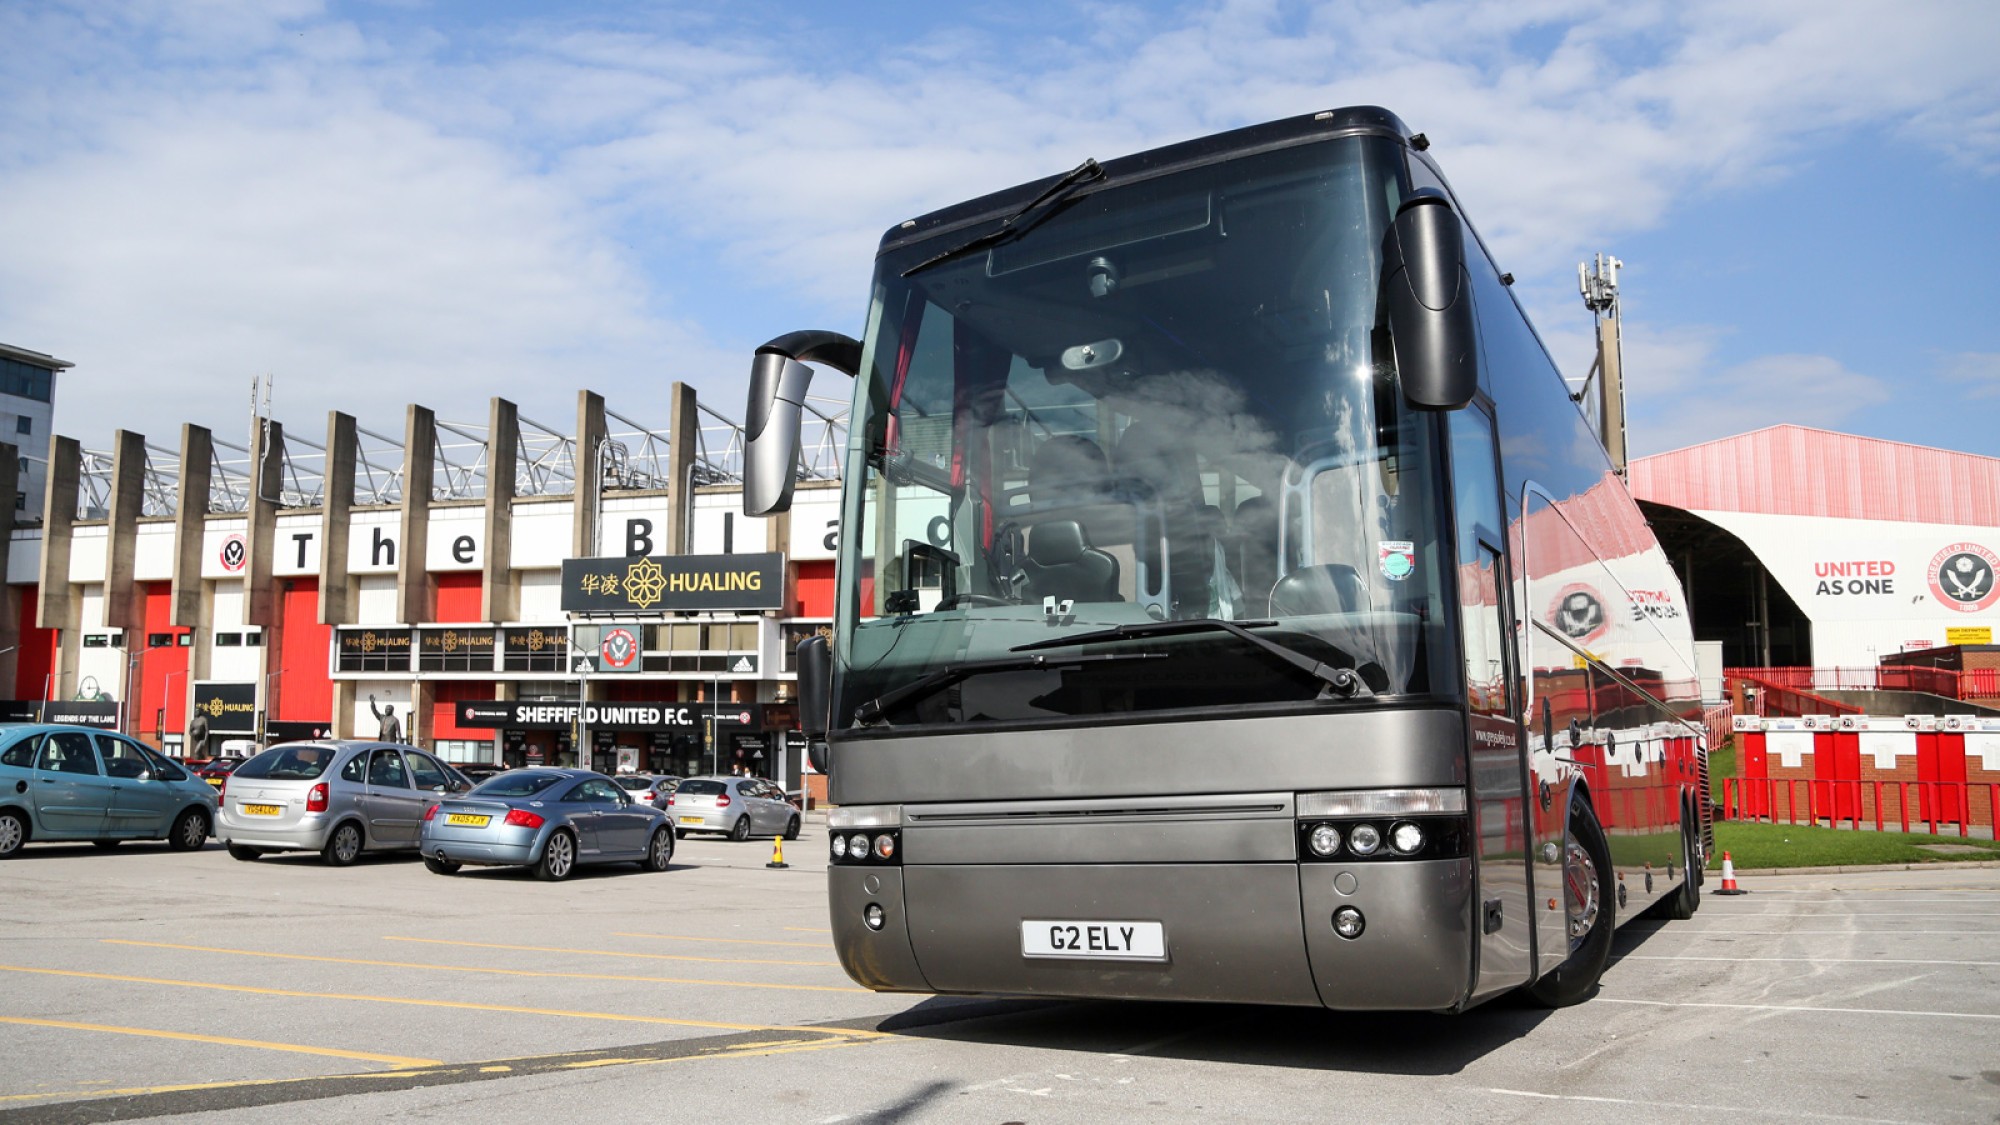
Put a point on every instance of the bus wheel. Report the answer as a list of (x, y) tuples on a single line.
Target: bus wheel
[(1588, 892), (1688, 899)]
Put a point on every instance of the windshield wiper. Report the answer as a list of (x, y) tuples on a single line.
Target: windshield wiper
[(1018, 223), (1343, 682), (936, 681)]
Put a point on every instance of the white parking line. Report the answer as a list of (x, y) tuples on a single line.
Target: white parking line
[(1829, 933), (1810, 960), (1786, 1113), (1801, 1008), (1860, 914)]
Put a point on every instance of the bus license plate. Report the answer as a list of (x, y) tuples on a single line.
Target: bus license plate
[(1116, 941)]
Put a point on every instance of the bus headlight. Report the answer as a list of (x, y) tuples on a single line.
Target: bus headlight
[(857, 846), (1324, 840), (839, 846), (1406, 839), (1364, 839)]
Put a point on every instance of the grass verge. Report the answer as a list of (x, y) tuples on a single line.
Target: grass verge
[(1721, 766), (1753, 846)]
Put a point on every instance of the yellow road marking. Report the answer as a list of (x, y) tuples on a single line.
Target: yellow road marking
[(617, 953), (463, 1005), (223, 1040), (859, 1038), (738, 941), (483, 969), (230, 1084)]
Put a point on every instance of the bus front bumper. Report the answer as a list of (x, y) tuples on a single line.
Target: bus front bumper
[(1259, 933)]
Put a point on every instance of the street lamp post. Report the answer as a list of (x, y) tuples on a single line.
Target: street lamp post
[(270, 705)]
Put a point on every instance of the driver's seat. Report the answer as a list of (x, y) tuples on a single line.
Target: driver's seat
[(1062, 564)]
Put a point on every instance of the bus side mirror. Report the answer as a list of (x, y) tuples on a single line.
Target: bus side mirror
[(1428, 298), (778, 380), (815, 662)]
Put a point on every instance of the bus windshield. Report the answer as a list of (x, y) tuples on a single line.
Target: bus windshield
[(1166, 400)]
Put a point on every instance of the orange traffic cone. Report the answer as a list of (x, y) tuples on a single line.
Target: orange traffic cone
[(777, 852), (1729, 886)]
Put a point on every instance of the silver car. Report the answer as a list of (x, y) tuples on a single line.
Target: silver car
[(648, 788), (74, 783), (549, 819), (337, 798), (737, 807)]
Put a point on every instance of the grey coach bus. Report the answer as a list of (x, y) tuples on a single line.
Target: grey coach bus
[(1233, 604)]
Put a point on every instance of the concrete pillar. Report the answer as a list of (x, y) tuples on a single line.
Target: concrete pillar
[(267, 475), (197, 465), (413, 576), (683, 442), (590, 433), (123, 607), (343, 708), (336, 506), (498, 597), (52, 610), (10, 605), (423, 701)]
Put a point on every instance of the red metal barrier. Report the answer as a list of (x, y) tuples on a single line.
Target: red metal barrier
[(1946, 803)]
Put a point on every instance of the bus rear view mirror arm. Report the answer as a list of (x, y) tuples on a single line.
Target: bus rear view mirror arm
[(1428, 299), (778, 380)]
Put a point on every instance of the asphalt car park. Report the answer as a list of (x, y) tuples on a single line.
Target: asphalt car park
[(145, 983)]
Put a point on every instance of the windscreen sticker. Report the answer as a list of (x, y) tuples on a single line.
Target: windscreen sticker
[(1398, 558)]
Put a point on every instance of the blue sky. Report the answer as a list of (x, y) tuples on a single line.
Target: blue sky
[(379, 203)]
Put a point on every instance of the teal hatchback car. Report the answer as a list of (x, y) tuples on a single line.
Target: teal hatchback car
[(75, 783)]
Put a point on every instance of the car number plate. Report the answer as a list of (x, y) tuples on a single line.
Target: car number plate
[(469, 820), (215, 781), (1115, 941), (691, 820), (262, 810)]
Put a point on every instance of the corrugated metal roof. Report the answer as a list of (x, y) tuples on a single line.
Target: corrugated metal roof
[(1799, 471)]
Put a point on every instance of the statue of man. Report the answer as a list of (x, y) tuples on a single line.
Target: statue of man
[(391, 729), (197, 736)]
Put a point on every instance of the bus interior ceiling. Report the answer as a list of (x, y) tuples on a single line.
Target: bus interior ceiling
[(1724, 580)]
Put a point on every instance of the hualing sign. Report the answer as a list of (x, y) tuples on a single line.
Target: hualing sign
[(669, 583)]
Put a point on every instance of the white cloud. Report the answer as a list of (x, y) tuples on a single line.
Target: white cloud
[(1677, 395), (1979, 371), (194, 195)]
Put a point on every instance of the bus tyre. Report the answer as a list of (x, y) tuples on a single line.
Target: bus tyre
[(1688, 899), (1588, 898)]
